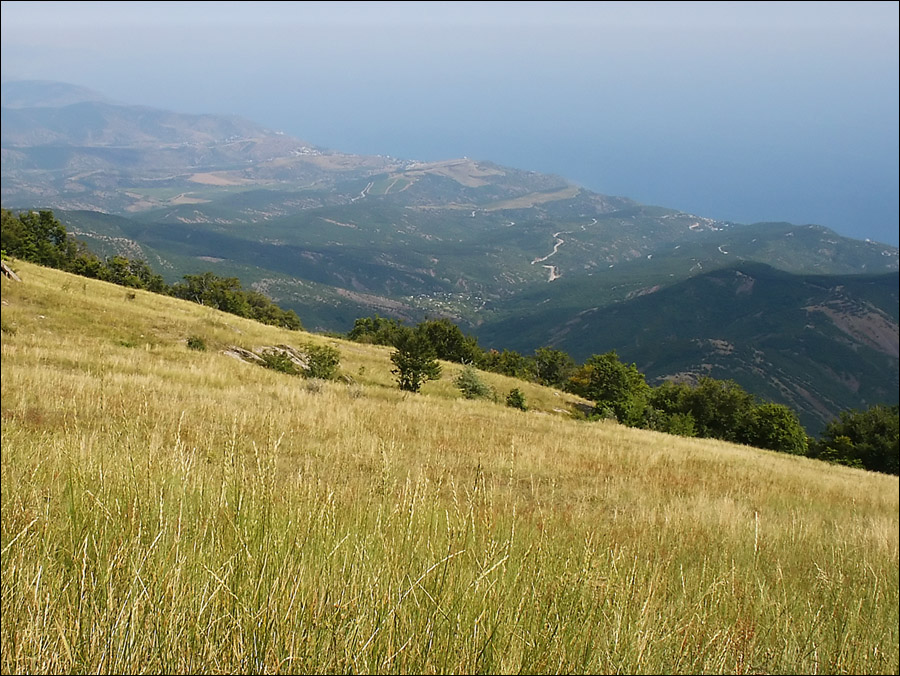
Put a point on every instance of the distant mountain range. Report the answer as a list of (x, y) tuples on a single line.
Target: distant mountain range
[(795, 313)]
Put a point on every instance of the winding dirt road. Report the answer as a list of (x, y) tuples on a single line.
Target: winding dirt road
[(554, 271)]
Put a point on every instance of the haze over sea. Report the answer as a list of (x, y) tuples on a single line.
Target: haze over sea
[(747, 112)]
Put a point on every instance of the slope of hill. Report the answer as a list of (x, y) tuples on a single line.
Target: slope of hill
[(63, 148), (819, 344), (766, 341), (172, 510), (44, 94), (513, 256)]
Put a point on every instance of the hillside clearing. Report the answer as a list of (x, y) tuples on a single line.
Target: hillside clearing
[(179, 511)]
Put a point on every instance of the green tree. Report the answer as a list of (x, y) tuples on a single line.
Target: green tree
[(552, 367), (612, 385), (37, 237), (134, 273), (840, 450), (721, 409), (775, 427), (377, 330), (680, 424), (869, 439), (671, 397), (414, 360), (220, 293), (509, 363), (87, 264), (262, 309), (449, 342)]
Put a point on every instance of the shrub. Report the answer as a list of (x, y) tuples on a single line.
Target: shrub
[(279, 361), (323, 361), (196, 343), (471, 385), (515, 399), (603, 413)]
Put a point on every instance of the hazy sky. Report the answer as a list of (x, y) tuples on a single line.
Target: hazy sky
[(744, 111)]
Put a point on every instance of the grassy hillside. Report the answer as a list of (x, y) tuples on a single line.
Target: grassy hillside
[(169, 510)]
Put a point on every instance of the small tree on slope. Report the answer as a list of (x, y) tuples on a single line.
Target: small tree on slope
[(414, 359)]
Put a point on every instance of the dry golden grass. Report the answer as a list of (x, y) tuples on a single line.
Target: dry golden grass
[(168, 510), (526, 201)]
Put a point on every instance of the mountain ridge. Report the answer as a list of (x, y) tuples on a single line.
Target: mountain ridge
[(818, 343)]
